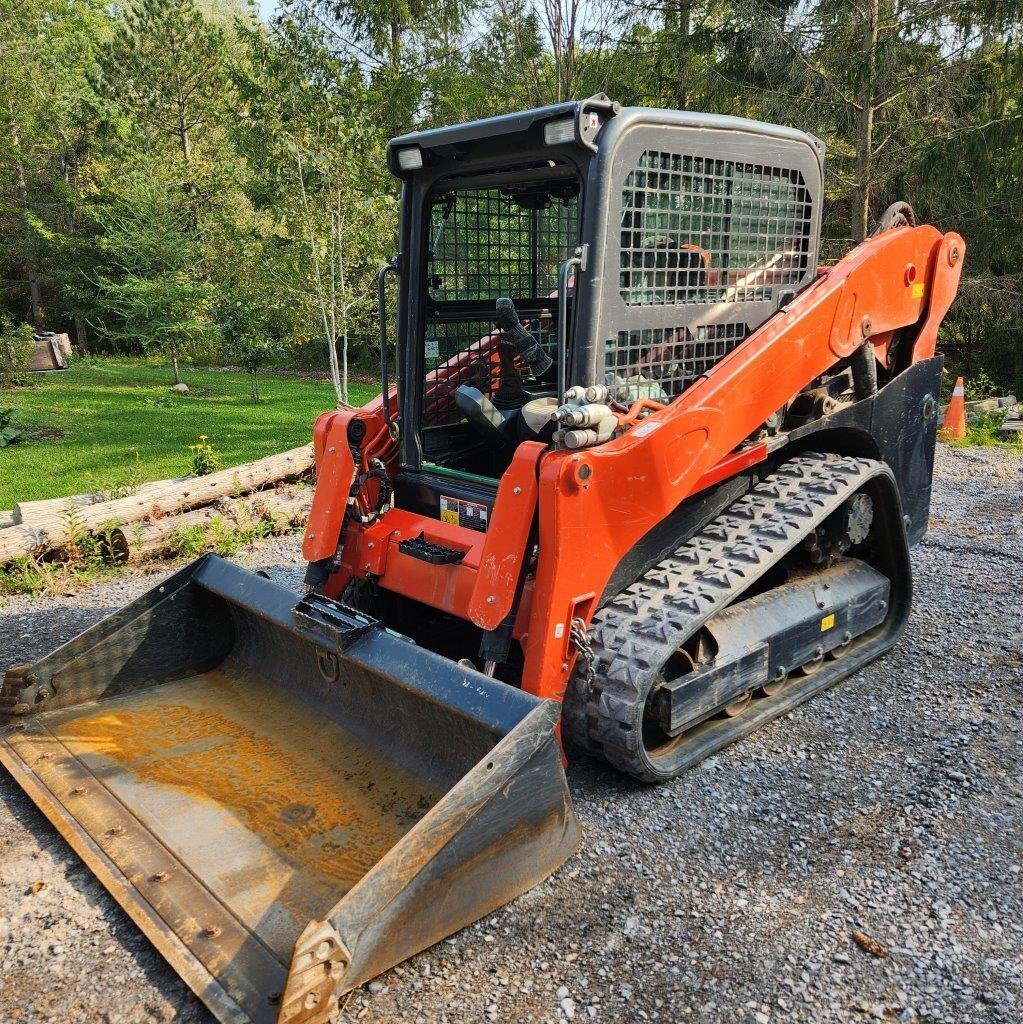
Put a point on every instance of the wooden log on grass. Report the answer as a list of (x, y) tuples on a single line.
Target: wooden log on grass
[(20, 540), (171, 497), (6, 518), (159, 537)]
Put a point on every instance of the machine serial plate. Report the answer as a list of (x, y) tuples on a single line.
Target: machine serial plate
[(459, 512)]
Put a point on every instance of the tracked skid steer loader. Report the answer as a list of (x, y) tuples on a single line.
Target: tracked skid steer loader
[(647, 478)]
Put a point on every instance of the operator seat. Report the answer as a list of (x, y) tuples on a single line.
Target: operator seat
[(491, 423)]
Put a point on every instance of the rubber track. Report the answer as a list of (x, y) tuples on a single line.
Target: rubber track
[(635, 633)]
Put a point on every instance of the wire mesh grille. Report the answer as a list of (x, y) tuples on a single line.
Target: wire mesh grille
[(671, 356), (698, 230), (465, 352), (486, 244)]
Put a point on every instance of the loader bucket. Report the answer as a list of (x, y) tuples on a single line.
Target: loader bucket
[(287, 798)]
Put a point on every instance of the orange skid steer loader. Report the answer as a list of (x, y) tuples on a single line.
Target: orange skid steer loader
[(647, 478)]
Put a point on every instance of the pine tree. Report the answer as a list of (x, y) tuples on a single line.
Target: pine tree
[(163, 81), (165, 68), (876, 78)]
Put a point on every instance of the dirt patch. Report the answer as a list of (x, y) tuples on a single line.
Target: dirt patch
[(44, 433)]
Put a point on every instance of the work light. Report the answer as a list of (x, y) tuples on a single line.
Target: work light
[(557, 132), (410, 158)]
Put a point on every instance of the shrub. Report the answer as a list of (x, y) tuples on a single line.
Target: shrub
[(983, 431), (9, 434), (205, 458), (979, 386), (254, 353), (16, 346)]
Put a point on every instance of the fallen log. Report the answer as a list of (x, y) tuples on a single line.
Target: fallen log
[(26, 512), (6, 518), (171, 497), (137, 541), (16, 541)]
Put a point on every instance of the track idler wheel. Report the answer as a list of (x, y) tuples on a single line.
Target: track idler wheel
[(776, 685), (739, 705)]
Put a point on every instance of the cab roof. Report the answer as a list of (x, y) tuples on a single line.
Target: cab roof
[(450, 140)]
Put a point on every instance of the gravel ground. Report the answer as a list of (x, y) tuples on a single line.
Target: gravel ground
[(892, 806)]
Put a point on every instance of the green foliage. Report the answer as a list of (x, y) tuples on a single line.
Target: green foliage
[(16, 347), (220, 536), (164, 67), (248, 522), (979, 386), (82, 561), (205, 458), (61, 573), (983, 432), (55, 577), (123, 480), (9, 433), (246, 343), (152, 292)]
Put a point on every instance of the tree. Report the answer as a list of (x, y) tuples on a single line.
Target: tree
[(246, 340), (166, 200), (45, 48), (875, 78), (164, 67), (401, 46), (971, 177), (317, 162), (152, 291)]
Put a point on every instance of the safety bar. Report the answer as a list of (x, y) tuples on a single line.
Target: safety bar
[(388, 268), (573, 262)]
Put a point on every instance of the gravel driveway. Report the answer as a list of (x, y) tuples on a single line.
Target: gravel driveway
[(890, 806)]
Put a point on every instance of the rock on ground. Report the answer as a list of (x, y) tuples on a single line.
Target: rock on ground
[(891, 805)]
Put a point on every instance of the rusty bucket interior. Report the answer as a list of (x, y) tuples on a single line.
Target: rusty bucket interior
[(287, 798)]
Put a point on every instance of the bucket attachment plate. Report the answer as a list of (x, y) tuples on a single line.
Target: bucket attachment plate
[(284, 812)]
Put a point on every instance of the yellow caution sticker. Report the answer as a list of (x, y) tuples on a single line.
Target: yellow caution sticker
[(828, 622), (449, 515), (918, 290)]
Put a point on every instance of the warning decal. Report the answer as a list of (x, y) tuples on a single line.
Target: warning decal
[(459, 512)]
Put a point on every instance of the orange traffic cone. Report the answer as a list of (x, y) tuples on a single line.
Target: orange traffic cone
[(955, 417)]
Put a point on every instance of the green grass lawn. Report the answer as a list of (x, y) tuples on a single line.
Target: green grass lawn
[(107, 423)]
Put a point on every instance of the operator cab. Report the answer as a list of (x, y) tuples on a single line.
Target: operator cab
[(579, 244)]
